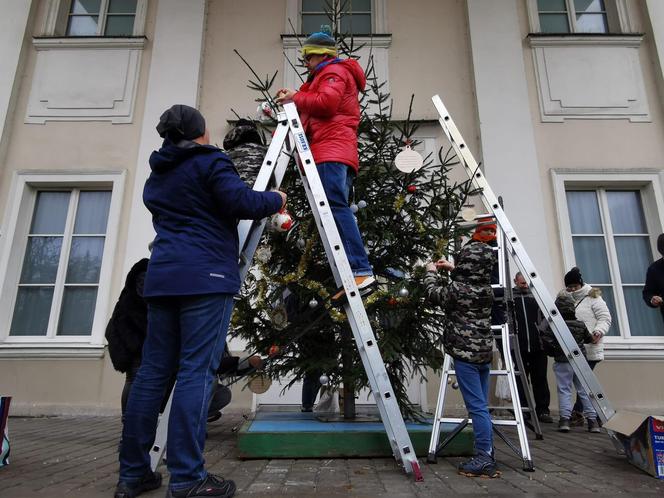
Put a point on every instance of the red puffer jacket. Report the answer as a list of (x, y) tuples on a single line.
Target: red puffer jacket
[(330, 111)]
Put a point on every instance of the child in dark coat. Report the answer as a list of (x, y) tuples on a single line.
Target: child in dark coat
[(565, 375)]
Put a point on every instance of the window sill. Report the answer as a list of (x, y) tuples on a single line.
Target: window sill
[(634, 351), (46, 350), (594, 39), (372, 40), (50, 42)]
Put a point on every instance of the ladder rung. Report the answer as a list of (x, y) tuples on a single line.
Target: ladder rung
[(446, 420), (491, 372)]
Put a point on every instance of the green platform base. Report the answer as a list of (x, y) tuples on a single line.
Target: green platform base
[(279, 434)]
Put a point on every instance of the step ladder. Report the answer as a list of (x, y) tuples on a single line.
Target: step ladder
[(290, 140), (518, 253), (510, 352)]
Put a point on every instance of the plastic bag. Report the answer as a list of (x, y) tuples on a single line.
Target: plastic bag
[(502, 384), (4, 431), (328, 403)]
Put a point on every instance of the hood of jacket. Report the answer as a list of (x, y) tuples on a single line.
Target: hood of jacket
[(243, 133), (351, 65), (565, 304), (171, 156), (474, 264), (586, 290)]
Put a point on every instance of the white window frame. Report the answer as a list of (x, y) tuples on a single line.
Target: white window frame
[(15, 229), (649, 183), (57, 15), (617, 14), (378, 16)]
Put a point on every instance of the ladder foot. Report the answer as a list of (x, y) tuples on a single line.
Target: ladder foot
[(431, 458), (528, 466), (417, 473), (539, 437)]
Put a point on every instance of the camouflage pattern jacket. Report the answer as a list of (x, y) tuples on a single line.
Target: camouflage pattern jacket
[(244, 145), (565, 304), (466, 302)]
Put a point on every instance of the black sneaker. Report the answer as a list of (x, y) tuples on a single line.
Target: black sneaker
[(563, 425), (481, 465), (593, 426), (545, 418), (150, 481), (212, 485)]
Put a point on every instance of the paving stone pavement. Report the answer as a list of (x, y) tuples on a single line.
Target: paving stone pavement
[(77, 457)]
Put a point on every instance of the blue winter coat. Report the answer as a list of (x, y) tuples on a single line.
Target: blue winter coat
[(196, 197)]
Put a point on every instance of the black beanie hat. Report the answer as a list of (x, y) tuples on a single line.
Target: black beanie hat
[(181, 122), (660, 244), (573, 277)]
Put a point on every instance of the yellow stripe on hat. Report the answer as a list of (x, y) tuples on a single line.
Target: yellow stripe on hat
[(318, 50)]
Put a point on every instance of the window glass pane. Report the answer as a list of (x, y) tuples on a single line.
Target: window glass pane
[(40, 264), (551, 5), (626, 211), (85, 260), (78, 310), (85, 7), (50, 213), (311, 23), (607, 295), (634, 257), (82, 26), (589, 5), (643, 320), (359, 5), (33, 306), (583, 211), (356, 24), (314, 5), (92, 212), (591, 23), (122, 7), (119, 26), (590, 254), (554, 23)]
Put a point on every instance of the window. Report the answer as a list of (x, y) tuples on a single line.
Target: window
[(101, 18), (57, 290), (612, 247), (578, 16), (56, 260), (353, 16)]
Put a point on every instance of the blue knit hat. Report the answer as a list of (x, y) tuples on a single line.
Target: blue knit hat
[(320, 43)]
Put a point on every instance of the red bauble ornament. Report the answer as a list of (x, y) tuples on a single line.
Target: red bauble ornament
[(411, 189), (392, 301), (274, 349)]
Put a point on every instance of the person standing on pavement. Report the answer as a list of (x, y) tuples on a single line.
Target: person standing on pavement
[(329, 107), (196, 197), (534, 358), (653, 290)]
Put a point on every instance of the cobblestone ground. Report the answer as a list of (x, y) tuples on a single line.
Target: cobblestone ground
[(77, 457)]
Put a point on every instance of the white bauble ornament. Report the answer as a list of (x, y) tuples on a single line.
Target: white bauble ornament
[(403, 292), (313, 303), (362, 204), (281, 221), (263, 254), (301, 244), (354, 208), (264, 112), (408, 160), (324, 380), (468, 214)]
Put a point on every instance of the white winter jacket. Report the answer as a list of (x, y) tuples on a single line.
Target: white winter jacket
[(592, 310)]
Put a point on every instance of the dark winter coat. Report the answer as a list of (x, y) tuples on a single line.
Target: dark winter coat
[(196, 197), (330, 110), (654, 283), (127, 327), (526, 310), (580, 332), (467, 303)]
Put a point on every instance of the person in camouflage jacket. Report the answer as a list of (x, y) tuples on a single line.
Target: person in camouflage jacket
[(466, 303), (244, 145)]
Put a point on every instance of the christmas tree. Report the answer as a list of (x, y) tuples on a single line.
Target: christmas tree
[(406, 219)]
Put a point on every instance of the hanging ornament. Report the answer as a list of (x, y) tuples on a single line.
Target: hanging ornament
[(392, 301), (354, 208), (411, 189), (313, 303), (301, 244), (281, 221), (362, 204), (468, 214), (263, 254), (403, 292), (324, 380), (259, 383), (279, 318), (274, 350), (408, 160), (264, 113)]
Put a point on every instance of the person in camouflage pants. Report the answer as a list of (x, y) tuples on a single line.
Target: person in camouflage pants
[(466, 302), (244, 145)]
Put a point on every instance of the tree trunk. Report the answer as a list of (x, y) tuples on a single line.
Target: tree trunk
[(347, 361)]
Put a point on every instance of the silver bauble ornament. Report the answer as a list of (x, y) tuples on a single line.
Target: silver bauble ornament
[(362, 204), (313, 303), (354, 208), (324, 380), (301, 244), (403, 292)]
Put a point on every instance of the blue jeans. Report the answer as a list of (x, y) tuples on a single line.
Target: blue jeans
[(337, 180), (473, 379), (186, 334), (565, 377)]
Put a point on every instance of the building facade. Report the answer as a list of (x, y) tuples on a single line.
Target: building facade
[(561, 99)]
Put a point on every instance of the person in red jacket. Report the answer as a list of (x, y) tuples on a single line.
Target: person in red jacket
[(330, 111)]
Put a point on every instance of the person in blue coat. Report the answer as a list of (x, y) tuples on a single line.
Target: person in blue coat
[(196, 198)]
